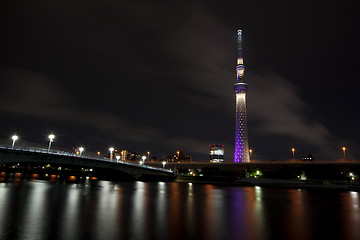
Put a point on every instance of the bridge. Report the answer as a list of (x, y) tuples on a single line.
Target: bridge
[(292, 169), (28, 160)]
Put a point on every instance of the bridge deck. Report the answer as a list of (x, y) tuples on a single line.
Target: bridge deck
[(10, 155)]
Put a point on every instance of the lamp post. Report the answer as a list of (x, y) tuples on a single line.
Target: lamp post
[(51, 139), (293, 153), (111, 151), (143, 159), (250, 151), (344, 149), (148, 153), (178, 153), (81, 149), (163, 163), (14, 138), (98, 154), (117, 158)]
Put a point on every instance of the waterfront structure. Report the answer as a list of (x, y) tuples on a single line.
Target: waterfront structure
[(216, 153), (241, 153)]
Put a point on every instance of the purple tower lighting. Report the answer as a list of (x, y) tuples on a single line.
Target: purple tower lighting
[(241, 137)]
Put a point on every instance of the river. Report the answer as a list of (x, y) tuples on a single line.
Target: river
[(39, 209)]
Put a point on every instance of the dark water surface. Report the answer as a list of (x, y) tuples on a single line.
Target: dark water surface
[(137, 210)]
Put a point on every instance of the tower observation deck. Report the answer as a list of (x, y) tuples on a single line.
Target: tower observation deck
[(241, 136)]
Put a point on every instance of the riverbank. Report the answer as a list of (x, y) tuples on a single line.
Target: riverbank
[(269, 182)]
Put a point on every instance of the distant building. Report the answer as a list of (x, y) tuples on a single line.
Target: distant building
[(127, 155), (154, 160), (309, 157), (216, 153), (178, 157)]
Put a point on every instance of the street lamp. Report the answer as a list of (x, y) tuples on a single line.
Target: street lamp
[(117, 157), (81, 149), (148, 153), (98, 154), (143, 159), (111, 151), (163, 163), (51, 139), (344, 149), (250, 151), (293, 152), (178, 153), (14, 138)]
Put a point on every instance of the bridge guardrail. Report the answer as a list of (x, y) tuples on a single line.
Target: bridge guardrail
[(63, 153)]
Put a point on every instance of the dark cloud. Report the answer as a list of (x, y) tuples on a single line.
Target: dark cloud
[(276, 107)]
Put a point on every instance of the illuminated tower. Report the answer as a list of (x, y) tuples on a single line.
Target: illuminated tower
[(241, 137)]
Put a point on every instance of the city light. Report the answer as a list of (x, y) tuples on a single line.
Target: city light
[(51, 139), (81, 149), (163, 163), (98, 153), (111, 151), (148, 153), (143, 158), (14, 138), (293, 153), (117, 157), (344, 149)]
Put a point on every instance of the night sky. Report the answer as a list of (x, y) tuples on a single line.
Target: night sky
[(158, 75)]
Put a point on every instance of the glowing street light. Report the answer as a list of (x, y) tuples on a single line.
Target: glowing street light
[(293, 152), (250, 151), (148, 153), (344, 149), (81, 149), (98, 154), (178, 153), (117, 157), (143, 159), (163, 163), (14, 138), (111, 151), (51, 139)]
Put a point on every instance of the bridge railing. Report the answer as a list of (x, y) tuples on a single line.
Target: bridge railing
[(63, 153)]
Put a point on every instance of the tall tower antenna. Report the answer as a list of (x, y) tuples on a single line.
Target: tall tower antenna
[(241, 136), (240, 43)]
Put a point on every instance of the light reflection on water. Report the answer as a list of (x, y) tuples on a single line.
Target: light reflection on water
[(71, 215), (139, 210)]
